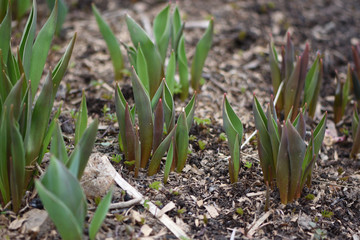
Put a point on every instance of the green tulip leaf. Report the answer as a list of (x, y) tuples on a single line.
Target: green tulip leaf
[(17, 164), (152, 56), (64, 200), (170, 72), (296, 150), (162, 29), (169, 160), (5, 33), (40, 50), (201, 52), (159, 153), (27, 40), (81, 120), (60, 68), (143, 108), (142, 70), (58, 147), (111, 43), (80, 156), (100, 215), (283, 167), (183, 69), (39, 122), (181, 141)]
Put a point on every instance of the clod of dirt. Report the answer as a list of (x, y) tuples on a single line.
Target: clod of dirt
[(97, 177)]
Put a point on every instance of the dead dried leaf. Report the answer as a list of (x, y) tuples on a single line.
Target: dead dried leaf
[(17, 223)]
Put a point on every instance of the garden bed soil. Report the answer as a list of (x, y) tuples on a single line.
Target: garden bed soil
[(207, 205)]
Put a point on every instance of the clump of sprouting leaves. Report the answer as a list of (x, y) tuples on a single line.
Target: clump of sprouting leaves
[(296, 80), (19, 8), (284, 154), (148, 57), (59, 188), (355, 130), (341, 95), (24, 122), (141, 128)]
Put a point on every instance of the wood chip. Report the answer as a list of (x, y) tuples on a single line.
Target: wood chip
[(212, 211), (135, 216), (146, 230), (197, 24), (233, 234), (257, 224), (168, 207), (254, 194)]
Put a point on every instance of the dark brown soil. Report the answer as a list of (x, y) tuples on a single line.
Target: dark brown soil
[(238, 65)]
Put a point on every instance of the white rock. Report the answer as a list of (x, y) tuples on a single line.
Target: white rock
[(97, 177)]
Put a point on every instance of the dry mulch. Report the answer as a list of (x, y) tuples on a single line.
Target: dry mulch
[(207, 205)]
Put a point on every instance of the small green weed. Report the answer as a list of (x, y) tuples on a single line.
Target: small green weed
[(181, 211), (201, 144), (240, 211), (310, 197), (202, 122), (248, 164), (222, 137), (116, 158), (327, 214), (155, 185)]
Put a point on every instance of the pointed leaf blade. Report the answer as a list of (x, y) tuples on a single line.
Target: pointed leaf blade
[(202, 49), (283, 167), (182, 141), (80, 156), (100, 215), (41, 48), (143, 106), (296, 150), (58, 147), (159, 153), (169, 160), (162, 31), (183, 69), (170, 72), (153, 58), (82, 119), (17, 164)]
